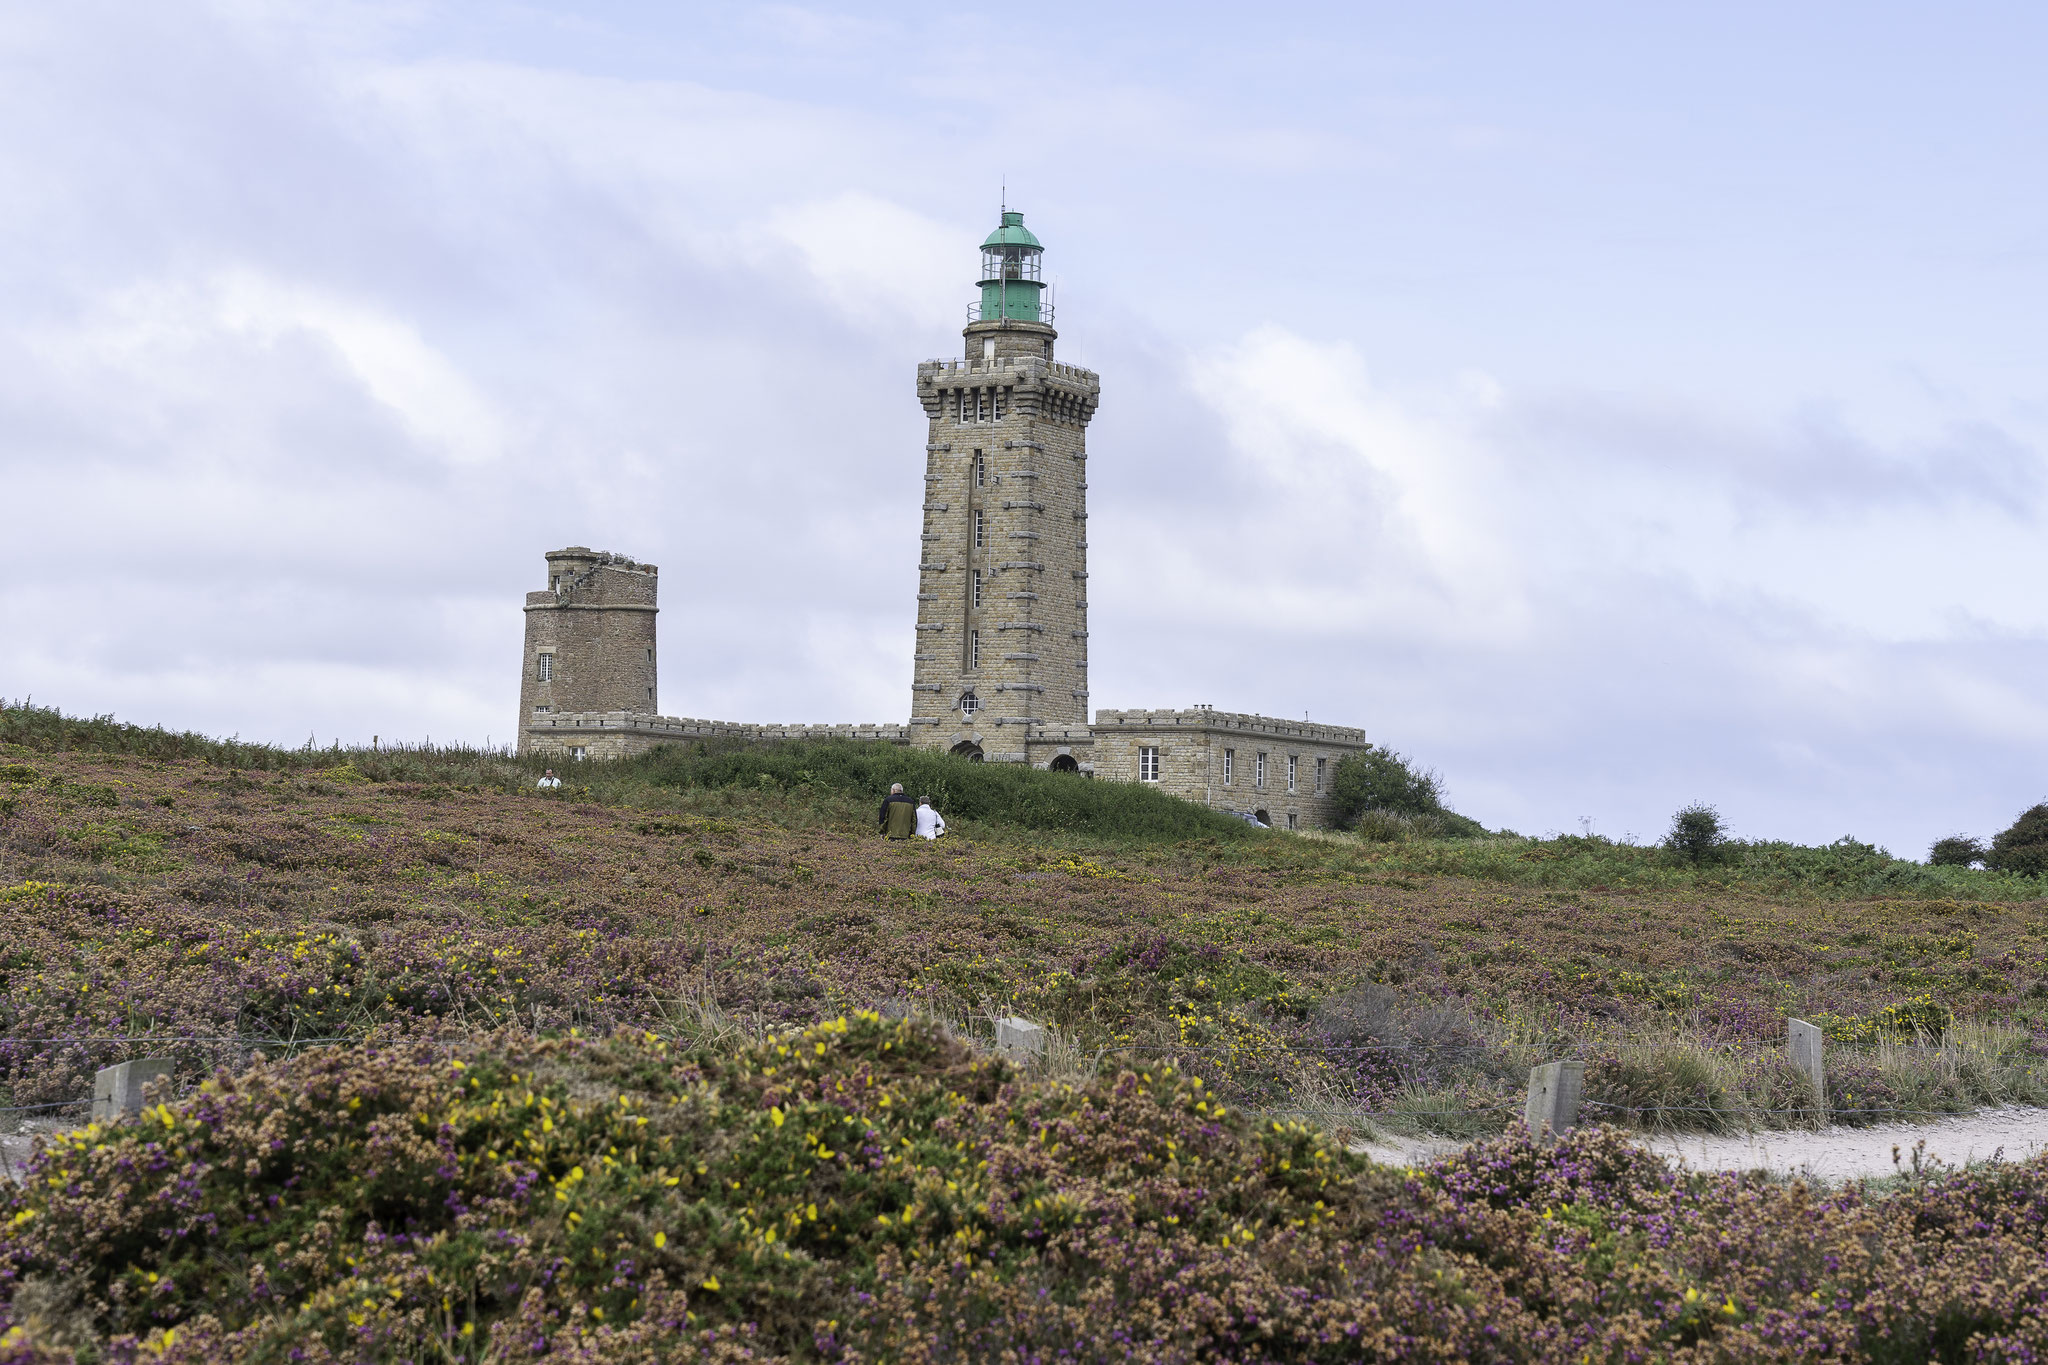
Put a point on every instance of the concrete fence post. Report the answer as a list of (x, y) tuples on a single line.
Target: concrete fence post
[(1554, 1090), (1019, 1036), (117, 1090), (1803, 1042)]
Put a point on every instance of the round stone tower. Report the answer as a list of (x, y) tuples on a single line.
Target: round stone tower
[(589, 638)]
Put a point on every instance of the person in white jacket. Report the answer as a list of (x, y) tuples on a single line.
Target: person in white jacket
[(930, 824)]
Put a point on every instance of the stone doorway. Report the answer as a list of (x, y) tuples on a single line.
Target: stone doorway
[(968, 750)]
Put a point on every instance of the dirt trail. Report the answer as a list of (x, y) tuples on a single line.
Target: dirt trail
[(2010, 1134), (1832, 1153)]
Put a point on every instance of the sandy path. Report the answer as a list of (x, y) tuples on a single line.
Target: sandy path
[(2011, 1134), (1832, 1153)]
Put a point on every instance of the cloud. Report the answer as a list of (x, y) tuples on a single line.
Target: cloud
[(874, 260), (318, 327), (1653, 621), (1812, 462)]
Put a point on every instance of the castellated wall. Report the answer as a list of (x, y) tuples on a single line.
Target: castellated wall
[(1214, 757), (589, 639), (622, 734), (1001, 662)]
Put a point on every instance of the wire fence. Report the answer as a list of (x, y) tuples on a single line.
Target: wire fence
[(1648, 1116), (160, 1042)]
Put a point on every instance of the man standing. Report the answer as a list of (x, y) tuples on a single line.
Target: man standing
[(548, 781), (930, 824), (899, 817)]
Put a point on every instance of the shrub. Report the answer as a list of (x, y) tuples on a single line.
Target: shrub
[(1383, 1043), (1697, 834), (1383, 827), (1663, 1088), (1007, 793), (1958, 850), (1386, 798), (1860, 1095), (1376, 778), (2024, 847)]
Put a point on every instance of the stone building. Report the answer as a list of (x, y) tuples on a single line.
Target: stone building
[(1000, 664), (1276, 770)]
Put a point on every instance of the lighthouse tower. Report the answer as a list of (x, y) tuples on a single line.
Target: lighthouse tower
[(1002, 623)]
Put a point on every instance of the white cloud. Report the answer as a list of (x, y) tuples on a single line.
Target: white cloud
[(875, 260), (316, 328), (386, 355)]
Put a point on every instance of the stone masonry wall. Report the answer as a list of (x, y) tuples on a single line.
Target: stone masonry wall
[(1003, 573), (622, 734), (1192, 745)]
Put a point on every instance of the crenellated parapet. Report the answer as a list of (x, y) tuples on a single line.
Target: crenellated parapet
[(622, 734)]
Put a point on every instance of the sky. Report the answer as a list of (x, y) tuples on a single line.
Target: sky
[(1609, 406)]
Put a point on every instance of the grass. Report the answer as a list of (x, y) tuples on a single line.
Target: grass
[(159, 884), (641, 971)]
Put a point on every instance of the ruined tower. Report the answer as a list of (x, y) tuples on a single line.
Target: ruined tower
[(1002, 623), (589, 638)]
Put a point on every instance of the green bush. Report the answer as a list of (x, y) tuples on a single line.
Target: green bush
[(2024, 847), (1003, 793), (1385, 797), (1697, 834), (1958, 850), (1377, 778)]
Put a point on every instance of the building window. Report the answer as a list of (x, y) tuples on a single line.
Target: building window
[(998, 400), (547, 668), (1292, 760), (969, 704), (1148, 763), (1259, 770), (1229, 763), (977, 587), (980, 529), (980, 470), (981, 405), (973, 651), (1322, 766), (578, 752), (1291, 821)]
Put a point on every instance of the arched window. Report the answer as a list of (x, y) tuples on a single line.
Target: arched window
[(1065, 763)]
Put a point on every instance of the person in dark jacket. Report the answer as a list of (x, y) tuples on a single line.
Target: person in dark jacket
[(899, 816)]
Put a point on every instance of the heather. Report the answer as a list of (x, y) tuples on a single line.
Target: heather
[(865, 1191), (468, 1070), (161, 901)]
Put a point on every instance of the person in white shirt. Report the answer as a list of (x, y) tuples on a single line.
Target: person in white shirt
[(930, 824), (549, 780)]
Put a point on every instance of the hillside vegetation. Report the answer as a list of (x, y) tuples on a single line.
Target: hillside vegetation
[(682, 1062), (861, 1191), (328, 894)]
